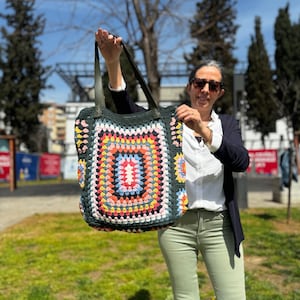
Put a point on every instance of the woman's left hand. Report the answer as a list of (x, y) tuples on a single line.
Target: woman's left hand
[(190, 117)]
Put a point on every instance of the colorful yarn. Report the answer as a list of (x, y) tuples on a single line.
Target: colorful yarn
[(131, 170)]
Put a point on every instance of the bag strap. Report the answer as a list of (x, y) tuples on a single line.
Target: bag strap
[(99, 93)]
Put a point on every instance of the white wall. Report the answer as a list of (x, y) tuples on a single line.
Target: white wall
[(275, 140)]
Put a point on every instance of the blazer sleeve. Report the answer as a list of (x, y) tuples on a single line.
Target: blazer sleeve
[(124, 104), (232, 152)]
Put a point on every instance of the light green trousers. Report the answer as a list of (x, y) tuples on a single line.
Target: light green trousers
[(211, 234)]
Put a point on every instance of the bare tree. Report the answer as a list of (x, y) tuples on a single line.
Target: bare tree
[(157, 30), (150, 26)]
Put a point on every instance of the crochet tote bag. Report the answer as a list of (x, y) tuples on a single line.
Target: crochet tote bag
[(130, 166)]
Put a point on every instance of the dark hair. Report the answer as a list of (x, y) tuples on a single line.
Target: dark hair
[(206, 63)]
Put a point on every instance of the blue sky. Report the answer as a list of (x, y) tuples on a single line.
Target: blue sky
[(60, 43)]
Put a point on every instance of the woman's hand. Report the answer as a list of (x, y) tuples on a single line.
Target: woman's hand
[(192, 118), (189, 116), (109, 46)]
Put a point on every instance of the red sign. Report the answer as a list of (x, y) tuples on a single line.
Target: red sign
[(264, 161), (4, 166), (49, 165)]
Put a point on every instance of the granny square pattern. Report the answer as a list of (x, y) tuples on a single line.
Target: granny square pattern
[(132, 174)]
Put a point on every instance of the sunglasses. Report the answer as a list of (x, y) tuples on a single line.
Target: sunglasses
[(213, 86)]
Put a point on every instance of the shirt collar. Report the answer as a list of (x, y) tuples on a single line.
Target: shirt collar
[(214, 116)]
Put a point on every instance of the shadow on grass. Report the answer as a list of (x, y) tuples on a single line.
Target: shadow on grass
[(265, 216), (141, 295), (33, 189)]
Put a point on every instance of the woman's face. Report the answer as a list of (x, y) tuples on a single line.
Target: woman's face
[(205, 89)]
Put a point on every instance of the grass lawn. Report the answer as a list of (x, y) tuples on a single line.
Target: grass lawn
[(57, 256)]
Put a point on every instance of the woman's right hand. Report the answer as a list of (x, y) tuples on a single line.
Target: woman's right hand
[(109, 46)]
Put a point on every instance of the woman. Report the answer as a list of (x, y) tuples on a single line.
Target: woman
[(213, 149)]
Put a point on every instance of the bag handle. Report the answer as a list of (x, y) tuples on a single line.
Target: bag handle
[(99, 93)]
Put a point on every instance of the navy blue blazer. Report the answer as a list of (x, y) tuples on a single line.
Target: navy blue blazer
[(232, 153)]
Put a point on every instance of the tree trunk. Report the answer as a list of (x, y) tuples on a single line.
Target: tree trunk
[(148, 45)]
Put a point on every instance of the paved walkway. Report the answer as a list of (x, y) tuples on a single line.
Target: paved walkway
[(55, 198), (30, 200)]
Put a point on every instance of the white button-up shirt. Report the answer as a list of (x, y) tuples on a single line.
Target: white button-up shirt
[(204, 172)]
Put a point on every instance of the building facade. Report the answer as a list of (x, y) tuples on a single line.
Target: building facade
[(54, 118)]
